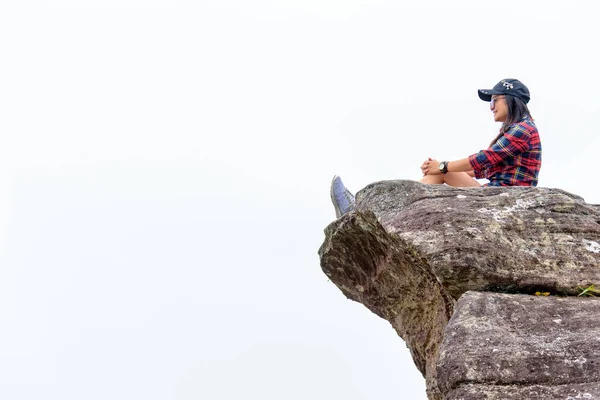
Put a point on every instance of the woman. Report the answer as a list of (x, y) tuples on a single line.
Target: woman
[(514, 157)]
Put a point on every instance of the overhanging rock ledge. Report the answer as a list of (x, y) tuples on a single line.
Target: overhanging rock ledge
[(409, 251)]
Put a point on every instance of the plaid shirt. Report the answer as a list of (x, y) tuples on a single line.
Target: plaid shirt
[(514, 160)]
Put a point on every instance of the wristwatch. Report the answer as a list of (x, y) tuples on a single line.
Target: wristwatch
[(443, 167)]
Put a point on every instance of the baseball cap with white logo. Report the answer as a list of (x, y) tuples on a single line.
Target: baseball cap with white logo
[(510, 87)]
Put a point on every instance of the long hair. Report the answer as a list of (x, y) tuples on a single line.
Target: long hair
[(517, 110)]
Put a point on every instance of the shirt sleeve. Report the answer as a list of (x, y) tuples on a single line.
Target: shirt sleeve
[(479, 174), (509, 145)]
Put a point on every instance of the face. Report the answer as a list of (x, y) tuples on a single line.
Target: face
[(499, 108)]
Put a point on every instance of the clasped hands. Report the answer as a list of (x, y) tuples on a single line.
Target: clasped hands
[(430, 167)]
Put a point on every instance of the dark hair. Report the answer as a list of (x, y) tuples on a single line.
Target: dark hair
[(517, 110)]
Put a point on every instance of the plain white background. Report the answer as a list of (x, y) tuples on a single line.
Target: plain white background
[(165, 168)]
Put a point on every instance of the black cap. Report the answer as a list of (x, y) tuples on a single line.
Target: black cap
[(511, 87)]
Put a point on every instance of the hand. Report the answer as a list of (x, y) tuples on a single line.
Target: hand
[(430, 167)]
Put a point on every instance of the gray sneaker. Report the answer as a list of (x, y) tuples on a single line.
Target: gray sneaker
[(342, 199)]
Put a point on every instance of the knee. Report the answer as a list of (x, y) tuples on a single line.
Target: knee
[(433, 179)]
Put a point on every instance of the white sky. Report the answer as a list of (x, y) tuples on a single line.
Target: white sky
[(165, 169)]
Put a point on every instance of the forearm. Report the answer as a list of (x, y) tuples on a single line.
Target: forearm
[(462, 165), (432, 167)]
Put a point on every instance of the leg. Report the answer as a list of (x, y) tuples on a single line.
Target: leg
[(433, 179), (458, 179)]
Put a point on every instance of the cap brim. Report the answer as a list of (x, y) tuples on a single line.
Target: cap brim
[(486, 94)]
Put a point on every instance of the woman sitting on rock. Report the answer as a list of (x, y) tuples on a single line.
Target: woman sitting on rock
[(514, 157)]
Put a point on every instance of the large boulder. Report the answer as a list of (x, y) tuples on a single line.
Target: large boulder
[(410, 250), (510, 346)]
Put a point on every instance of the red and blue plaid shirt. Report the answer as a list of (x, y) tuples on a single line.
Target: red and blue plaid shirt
[(514, 160)]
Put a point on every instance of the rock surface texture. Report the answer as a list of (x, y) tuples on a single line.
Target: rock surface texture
[(455, 271)]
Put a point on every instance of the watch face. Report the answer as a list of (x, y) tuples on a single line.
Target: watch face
[(441, 166)]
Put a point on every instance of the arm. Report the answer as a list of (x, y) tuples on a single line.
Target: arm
[(431, 167), (509, 145), (462, 165)]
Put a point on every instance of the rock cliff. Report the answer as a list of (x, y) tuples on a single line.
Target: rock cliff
[(483, 284)]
